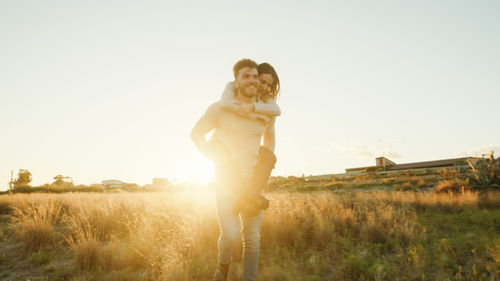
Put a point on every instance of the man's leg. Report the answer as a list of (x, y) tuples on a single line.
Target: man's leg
[(229, 224), (251, 245)]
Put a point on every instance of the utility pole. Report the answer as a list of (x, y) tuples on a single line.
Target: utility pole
[(11, 183)]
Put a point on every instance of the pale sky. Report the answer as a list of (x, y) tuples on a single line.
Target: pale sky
[(99, 90)]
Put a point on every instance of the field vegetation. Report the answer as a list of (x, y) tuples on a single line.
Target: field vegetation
[(401, 181), (426, 225), (320, 235)]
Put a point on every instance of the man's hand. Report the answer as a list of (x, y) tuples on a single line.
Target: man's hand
[(244, 107)]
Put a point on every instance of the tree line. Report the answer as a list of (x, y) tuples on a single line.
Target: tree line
[(61, 183), (24, 178)]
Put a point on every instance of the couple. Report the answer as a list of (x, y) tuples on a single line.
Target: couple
[(240, 120)]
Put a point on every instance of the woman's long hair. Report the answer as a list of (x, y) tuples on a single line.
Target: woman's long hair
[(265, 68)]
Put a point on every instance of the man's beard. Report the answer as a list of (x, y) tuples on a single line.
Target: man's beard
[(248, 94)]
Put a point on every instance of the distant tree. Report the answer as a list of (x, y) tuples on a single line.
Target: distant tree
[(61, 181), (23, 179)]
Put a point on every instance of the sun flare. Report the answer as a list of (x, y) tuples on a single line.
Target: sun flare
[(197, 169)]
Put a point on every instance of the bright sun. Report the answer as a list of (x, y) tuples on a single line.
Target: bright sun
[(198, 169)]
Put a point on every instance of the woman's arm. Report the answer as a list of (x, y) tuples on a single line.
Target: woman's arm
[(267, 107), (227, 99), (229, 102)]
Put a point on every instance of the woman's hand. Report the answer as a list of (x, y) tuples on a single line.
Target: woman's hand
[(244, 107), (263, 117)]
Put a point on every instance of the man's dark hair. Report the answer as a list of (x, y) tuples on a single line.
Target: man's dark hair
[(243, 63), (265, 68)]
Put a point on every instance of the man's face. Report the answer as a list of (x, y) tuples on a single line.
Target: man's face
[(265, 82), (247, 81)]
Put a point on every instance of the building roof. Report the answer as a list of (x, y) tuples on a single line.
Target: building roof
[(427, 164), (360, 168)]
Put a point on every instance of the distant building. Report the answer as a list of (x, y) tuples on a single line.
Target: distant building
[(112, 183), (384, 164)]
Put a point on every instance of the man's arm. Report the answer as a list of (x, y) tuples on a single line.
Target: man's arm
[(205, 125), (228, 102), (269, 141)]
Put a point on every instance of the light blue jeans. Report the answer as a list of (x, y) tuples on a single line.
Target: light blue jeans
[(230, 225)]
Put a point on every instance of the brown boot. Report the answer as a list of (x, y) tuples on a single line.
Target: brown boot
[(250, 200), (221, 272), (252, 204)]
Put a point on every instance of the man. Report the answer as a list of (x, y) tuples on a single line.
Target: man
[(234, 147)]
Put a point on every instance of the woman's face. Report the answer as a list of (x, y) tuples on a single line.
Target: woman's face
[(265, 83)]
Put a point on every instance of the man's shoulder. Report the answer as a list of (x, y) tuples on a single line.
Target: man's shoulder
[(214, 109)]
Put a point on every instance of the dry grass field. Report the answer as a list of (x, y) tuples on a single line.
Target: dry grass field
[(320, 235)]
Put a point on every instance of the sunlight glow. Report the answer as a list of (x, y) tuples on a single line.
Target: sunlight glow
[(197, 168)]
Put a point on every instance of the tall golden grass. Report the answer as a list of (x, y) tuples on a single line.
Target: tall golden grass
[(162, 236)]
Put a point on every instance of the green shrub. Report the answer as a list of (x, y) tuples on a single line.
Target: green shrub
[(486, 173)]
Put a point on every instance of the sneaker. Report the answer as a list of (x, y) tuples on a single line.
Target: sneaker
[(221, 272)]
